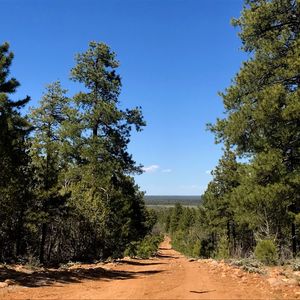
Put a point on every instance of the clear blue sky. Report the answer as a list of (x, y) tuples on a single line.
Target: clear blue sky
[(175, 56)]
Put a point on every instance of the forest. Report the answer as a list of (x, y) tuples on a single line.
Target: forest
[(66, 186), (67, 190), (252, 204)]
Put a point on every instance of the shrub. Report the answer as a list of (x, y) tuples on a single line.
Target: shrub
[(266, 252), (144, 248), (248, 264), (196, 249), (179, 241), (223, 248), (149, 246), (131, 249), (294, 264)]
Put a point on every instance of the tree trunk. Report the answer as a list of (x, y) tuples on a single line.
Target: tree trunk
[(294, 240), (19, 234), (42, 245)]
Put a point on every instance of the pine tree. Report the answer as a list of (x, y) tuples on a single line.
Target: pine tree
[(262, 115), (175, 217), (48, 161), (217, 202), (14, 162), (104, 193)]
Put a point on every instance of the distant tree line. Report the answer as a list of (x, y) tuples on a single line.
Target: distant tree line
[(172, 200), (253, 199), (66, 186)]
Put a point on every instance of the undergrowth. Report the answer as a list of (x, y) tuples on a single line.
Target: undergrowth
[(144, 248)]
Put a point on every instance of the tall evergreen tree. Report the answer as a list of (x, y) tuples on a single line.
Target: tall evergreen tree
[(14, 162), (262, 113), (104, 192), (175, 217), (66, 190), (217, 202), (48, 161)]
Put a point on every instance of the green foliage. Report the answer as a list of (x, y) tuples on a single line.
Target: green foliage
[(223, 248), (175, 217), (149, 246), (196, 251), (145, 248), (254, 194), (218, 209), (180, 223), (151, 219), (47, 160), (266, 252), (167, 223), (259, 198), (66, 190), (102, 192), (15, 171)]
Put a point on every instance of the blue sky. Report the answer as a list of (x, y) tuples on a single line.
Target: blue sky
[(175, 56)]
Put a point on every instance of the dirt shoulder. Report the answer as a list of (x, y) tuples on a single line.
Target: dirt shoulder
[(167, 276)]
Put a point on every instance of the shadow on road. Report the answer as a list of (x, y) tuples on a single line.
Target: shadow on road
[(138, 263), (166, 256), (49, 277), (202, 292)]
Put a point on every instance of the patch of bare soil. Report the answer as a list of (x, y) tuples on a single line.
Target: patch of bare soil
[(167, 276)]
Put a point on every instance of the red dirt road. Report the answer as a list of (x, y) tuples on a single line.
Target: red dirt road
[(168, 276)]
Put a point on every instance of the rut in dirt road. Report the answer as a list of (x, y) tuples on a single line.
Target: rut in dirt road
[(167, 276)]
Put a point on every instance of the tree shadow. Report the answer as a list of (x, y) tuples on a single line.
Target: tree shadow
[(202, 292), (50, 277), (137, 263), (166, 256)]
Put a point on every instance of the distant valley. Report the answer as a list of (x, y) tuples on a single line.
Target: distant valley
[(170, 200)]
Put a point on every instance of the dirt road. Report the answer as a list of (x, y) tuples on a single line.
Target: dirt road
[(168, 276)]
